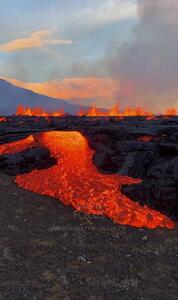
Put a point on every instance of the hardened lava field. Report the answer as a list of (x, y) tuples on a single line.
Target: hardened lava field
[(75, 181)]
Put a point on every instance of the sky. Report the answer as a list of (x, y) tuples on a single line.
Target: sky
[(93, 51)]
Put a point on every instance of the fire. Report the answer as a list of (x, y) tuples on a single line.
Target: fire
[(75, 181), (94, 112), (136, 112), (114, 111), (36, 111), (171, 112)]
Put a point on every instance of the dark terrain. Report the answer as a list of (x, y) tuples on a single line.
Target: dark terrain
[(50, 252)]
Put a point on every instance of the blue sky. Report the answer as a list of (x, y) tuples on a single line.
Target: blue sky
[(93, 27), (93, 51)]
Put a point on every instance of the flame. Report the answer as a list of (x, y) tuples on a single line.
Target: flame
[(114, 111), (76, 181), (94, 112), (171, 112), (36, 111)]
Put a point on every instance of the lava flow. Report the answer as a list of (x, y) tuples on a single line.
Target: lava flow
[(75, 181), (15, 147)]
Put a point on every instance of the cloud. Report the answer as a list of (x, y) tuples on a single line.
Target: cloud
[(37, 39), (109, 11), (104, 12), (148, 62), (85, 91)]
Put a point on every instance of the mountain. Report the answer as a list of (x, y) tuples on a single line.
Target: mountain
[(11, 96)]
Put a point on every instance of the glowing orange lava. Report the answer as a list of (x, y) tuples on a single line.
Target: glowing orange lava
[(145, 138), (171, 112), (15, 147), (36, 111), (3, 119), (76, 181), (93, 112)]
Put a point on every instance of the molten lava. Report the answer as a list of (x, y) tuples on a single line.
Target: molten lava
[(15, 147), (171, 112), (3, 119), (36, 111), (93, 112), (76, 181), (145, 138)]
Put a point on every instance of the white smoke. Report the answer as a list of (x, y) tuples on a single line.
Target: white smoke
[(147, 66)]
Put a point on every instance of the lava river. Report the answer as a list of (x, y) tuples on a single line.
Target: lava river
[(75, 181)]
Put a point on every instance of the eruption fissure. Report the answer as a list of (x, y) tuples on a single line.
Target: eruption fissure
[(75, 181), (92, 112)]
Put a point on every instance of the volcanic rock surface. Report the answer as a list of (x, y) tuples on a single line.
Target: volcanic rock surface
[(48, 251), (131, 146), (26, 161)]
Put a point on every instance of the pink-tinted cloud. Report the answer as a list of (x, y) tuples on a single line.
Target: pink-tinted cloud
[(37, 39), (90, 90)]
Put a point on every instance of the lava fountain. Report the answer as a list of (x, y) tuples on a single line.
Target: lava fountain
[(93, 112), (75, 181)]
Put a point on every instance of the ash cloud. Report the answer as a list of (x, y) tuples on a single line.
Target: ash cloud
[(147, 66)]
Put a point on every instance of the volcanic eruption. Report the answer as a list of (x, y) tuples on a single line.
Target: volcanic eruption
[(92, 112), (75, 181)]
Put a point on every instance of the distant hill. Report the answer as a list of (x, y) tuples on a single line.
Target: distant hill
[(11, 96)]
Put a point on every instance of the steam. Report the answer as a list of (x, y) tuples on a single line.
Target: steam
[(147, 65)]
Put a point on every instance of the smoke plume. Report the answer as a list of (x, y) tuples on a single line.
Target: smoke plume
[(147, 65)]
